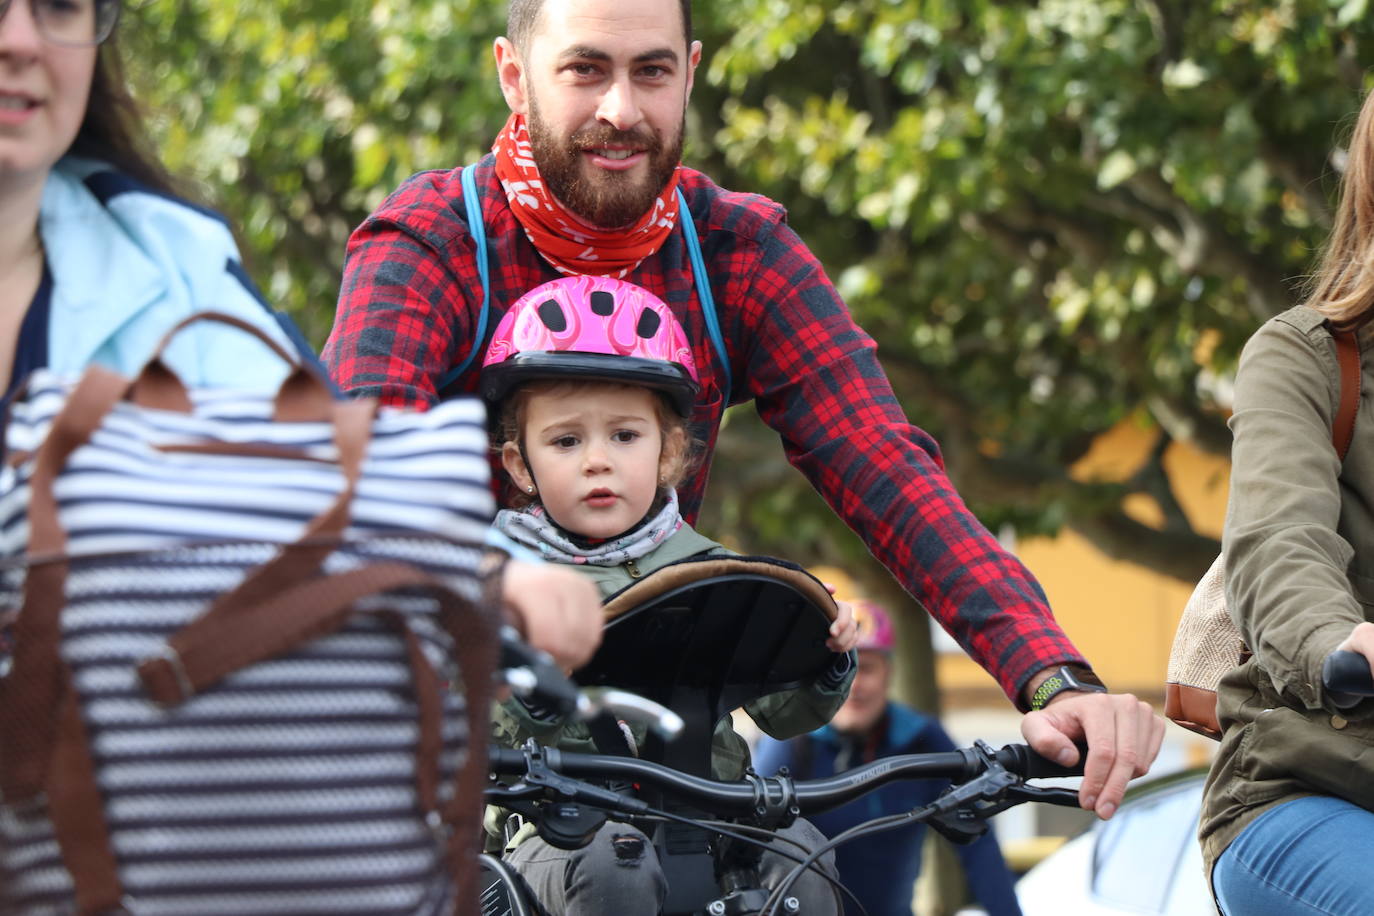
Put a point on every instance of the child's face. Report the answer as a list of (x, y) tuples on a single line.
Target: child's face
[(595, 456)]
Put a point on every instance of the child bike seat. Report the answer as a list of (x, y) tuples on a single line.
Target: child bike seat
[(705, 636)]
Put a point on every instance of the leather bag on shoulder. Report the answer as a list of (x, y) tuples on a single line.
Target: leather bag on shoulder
[(1207, 643)]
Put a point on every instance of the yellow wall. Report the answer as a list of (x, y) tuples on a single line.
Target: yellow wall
[(1121, 616)]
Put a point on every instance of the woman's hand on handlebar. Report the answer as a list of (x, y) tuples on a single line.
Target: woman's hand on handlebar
[(1123, 735), (1361, 640), (557, 609)]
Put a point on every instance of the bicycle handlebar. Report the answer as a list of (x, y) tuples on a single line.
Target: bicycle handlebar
[(756, 794)]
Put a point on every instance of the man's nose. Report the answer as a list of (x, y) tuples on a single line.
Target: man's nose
[(619, 107)]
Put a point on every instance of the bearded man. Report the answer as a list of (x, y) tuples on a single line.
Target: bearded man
[(585, 179)]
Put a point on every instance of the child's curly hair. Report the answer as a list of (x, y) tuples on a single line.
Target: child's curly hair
[(679, 451)]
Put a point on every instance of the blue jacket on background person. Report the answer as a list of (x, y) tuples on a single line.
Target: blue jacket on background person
[(881, 869)]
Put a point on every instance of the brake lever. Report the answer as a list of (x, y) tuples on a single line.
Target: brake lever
[(961, 814), (542, 782), (625, 705)]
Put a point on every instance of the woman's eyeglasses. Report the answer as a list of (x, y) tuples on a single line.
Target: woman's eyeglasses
[(71, 23)]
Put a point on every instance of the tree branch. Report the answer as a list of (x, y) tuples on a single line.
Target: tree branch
[(1185, 421)]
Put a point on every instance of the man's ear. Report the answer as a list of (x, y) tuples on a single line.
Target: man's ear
[(515, 466), (510, 70), (693, 59)]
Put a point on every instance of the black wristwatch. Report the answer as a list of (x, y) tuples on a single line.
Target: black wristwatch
[(1065, 677)]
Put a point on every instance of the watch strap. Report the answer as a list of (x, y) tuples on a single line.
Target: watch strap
[(1066, 677)]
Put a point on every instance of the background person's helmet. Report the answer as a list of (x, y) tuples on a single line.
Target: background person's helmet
[(591, 329), (875, 627)]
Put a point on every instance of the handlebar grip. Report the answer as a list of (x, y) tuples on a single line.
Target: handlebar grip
[(1345, 675), (1020, 759)]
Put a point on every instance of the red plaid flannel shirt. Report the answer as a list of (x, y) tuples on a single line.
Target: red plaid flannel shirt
[(408, 312)]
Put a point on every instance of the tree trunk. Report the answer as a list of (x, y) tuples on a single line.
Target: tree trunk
[(941, 890)]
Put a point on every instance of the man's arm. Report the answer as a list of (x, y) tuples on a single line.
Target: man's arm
[(817, 381)]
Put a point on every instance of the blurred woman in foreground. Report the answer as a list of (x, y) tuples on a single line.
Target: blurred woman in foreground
[(98, 256)]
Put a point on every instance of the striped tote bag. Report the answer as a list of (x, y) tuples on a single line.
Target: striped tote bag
[(248, 657)]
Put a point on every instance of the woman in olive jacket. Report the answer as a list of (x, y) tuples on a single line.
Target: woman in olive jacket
[(1287, 823)]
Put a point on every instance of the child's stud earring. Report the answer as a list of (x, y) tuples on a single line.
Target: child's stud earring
[(530, 489)]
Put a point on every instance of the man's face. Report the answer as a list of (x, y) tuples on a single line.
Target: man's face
[(604, 87), (867, 695)]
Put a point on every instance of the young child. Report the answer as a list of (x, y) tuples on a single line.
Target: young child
[(590, 381)]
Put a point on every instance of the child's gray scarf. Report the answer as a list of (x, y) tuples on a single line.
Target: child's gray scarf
[(533, 527)]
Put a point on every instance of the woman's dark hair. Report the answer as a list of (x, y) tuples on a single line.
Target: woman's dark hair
[(113, 130)]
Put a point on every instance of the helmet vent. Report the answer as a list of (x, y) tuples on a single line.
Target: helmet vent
[(551, 313), (648, 324), (603, 303)]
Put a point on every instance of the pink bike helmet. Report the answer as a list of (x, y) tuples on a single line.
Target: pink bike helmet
[(591, 328), (875, 627)]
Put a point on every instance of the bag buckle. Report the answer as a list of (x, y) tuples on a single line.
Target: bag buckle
[(160, 688)]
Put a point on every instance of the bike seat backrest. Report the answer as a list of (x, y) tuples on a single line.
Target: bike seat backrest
[(706, 636)]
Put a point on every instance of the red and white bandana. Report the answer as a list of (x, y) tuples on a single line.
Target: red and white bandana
[(567, 243)]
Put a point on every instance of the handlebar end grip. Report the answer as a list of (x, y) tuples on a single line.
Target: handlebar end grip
[(1346, 677), (1020, 759)]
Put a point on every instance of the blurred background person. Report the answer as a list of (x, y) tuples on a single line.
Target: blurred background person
[(881, 869)]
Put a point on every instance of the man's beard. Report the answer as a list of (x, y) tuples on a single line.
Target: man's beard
[(609, 199)]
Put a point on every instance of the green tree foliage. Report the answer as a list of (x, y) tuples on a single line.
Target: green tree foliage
[(1052, 216)]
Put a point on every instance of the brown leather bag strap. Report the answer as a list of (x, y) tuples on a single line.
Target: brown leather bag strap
[(304, 395), (208, 649), (77, 812), (216, 645), (32, 691), (1351, 379), (474, 632)]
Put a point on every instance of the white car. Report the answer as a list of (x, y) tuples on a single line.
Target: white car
[(1145, 860)]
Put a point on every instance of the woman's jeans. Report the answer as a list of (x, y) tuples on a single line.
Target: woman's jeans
[(1309, 855)]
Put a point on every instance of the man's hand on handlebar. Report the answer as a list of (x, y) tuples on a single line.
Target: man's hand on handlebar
[(556, 608), (1123, 735)]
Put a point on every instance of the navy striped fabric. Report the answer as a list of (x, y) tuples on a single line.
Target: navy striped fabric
[(289, 787)]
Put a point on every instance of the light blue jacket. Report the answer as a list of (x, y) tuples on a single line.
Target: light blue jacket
[(127, 263)]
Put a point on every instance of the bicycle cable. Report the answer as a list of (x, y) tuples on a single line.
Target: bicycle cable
[(804, 864), (890, 822), (763, 831)]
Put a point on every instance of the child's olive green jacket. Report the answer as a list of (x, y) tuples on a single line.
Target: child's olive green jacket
[(781, 715), (1299, 570)]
